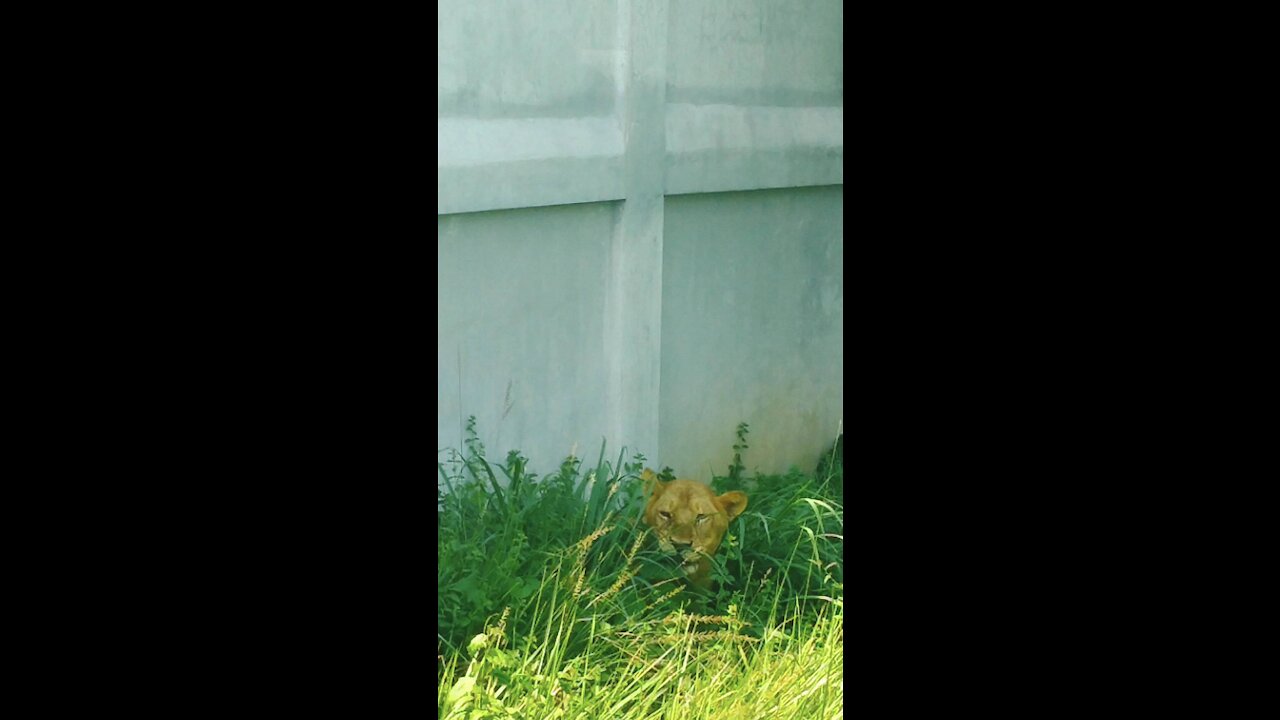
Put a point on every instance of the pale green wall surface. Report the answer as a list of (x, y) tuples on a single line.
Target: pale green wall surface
[(526, 58), (752, 328), (779, 53), (519, 339), (595, 240)]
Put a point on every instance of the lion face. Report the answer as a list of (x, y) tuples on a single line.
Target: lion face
[(690, 521)]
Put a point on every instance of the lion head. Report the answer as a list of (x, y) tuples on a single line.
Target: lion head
[(690, 521)]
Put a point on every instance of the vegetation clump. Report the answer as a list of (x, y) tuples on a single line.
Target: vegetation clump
[(554, 602)]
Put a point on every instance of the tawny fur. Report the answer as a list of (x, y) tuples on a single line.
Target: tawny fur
[(690, 519)]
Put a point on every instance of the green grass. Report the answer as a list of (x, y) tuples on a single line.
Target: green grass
[(554, 602)]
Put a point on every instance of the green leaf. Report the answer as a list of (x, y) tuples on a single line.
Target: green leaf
[(461, 689)]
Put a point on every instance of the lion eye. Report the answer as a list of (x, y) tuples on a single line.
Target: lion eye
[(664, 515), (702, 518)]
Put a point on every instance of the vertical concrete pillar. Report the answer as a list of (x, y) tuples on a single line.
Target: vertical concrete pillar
[(633, 317)]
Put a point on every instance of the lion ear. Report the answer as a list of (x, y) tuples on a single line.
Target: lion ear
[(652, 485), (733, 503)]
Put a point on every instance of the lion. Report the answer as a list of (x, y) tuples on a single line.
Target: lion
[(690, 521)]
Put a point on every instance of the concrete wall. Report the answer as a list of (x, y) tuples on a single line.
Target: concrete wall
[(640, 229)]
